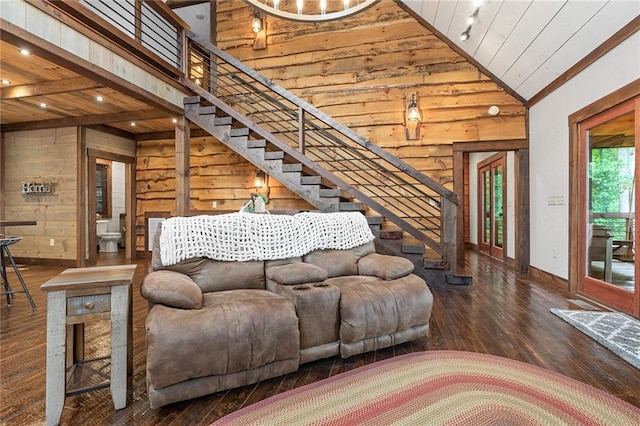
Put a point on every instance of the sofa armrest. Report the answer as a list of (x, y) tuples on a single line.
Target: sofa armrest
[(172, 289), (296, 273), (384, 266)]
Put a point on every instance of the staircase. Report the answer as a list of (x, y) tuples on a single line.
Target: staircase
[(323, 161)]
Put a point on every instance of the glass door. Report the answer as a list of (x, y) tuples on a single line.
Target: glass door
[(608, 265), (492, 187)]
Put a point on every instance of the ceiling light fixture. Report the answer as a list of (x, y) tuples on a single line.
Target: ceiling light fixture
[(133, 124), (25, 52), (470, 21), (99, 98), (43, 105), (321, 11), (5, 82), (175, 120)]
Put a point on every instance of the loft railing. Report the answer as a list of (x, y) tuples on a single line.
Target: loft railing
[(148, 28), (393, 188)]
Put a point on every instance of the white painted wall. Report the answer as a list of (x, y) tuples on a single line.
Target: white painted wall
[(549, 149), (117, 195), (474, 159)]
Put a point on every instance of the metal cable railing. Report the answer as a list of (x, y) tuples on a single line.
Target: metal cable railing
[(377, 175), (141, 21)]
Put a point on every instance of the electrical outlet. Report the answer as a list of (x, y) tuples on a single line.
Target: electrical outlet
[(214, 204), (52, 242), (551, 200), (560, 200), (555, 252)]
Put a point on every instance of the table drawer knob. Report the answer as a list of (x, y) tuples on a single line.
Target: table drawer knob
[(88, 305)]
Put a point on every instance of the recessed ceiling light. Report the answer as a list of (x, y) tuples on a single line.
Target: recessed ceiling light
[(25, 52), (99, 98), (5, 82), (43, 105), (175, 120), (133, 124)]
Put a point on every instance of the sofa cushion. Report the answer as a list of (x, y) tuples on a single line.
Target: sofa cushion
[(371, 308), (217, 275), (296, 273), (171, 289), (384, 266), (236, 330), (339, 262)]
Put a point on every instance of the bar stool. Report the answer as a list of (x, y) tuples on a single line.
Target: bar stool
[(5, 242)]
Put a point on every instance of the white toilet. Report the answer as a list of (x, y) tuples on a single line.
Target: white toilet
[(108, 240)]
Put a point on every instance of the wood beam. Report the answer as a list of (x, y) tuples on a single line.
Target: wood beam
[(171, 134), (48, 88), (183, 187), (86, 120), (174, 4)]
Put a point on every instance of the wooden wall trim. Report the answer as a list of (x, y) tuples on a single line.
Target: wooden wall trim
[(488, 146), (522, 219), (81, 197), (522, 173), (615, 98), (2, 169), (547, 277), (183, 191), (625, 32), (462, 53)]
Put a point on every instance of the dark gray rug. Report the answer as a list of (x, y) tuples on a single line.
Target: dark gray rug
[(616, 331)]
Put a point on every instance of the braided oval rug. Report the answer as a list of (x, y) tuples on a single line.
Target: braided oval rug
[(441, 388)]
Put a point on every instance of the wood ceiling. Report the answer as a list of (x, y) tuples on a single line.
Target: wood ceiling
[(39, 93), (528, 44)]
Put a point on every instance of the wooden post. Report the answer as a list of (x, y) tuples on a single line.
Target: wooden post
[(458, 185), (522, 229), (449, 235), (183, 188)]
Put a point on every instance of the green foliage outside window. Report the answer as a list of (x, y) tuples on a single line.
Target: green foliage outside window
[(611, 173)]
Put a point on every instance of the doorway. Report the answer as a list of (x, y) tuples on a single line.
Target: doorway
[(608, 161), (492, 193), (100, 201)]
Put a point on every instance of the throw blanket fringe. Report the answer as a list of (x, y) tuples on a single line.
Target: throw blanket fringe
[(246, 236)]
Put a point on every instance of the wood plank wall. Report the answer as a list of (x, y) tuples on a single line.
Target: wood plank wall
[(217, 174), (358, 70), (37, 156)]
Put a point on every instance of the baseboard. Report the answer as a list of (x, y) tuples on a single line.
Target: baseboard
[(67, 263), (548, 277)]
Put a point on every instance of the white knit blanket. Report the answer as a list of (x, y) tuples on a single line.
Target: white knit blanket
[(248, 236)]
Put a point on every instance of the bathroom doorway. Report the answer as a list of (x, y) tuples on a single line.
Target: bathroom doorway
[(110, 196)]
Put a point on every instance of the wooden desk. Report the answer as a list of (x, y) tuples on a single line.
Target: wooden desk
[(80, 295)]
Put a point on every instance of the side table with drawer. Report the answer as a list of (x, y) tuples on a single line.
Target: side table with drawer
[(74, 297)]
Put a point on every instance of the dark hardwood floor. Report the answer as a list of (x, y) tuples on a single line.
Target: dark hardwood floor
[(501, 314)]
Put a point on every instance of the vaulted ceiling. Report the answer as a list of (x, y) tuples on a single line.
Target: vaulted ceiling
[(527, 44)]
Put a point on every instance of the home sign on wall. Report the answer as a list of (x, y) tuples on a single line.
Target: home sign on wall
[(37, 188)]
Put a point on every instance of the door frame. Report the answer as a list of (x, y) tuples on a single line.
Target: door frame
[(577, 183), (488, 164), (130, 164), (520, 147)]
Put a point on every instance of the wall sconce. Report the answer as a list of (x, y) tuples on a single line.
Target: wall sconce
[(259, 28), (262, 182), (412, 117), (256, 23)]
